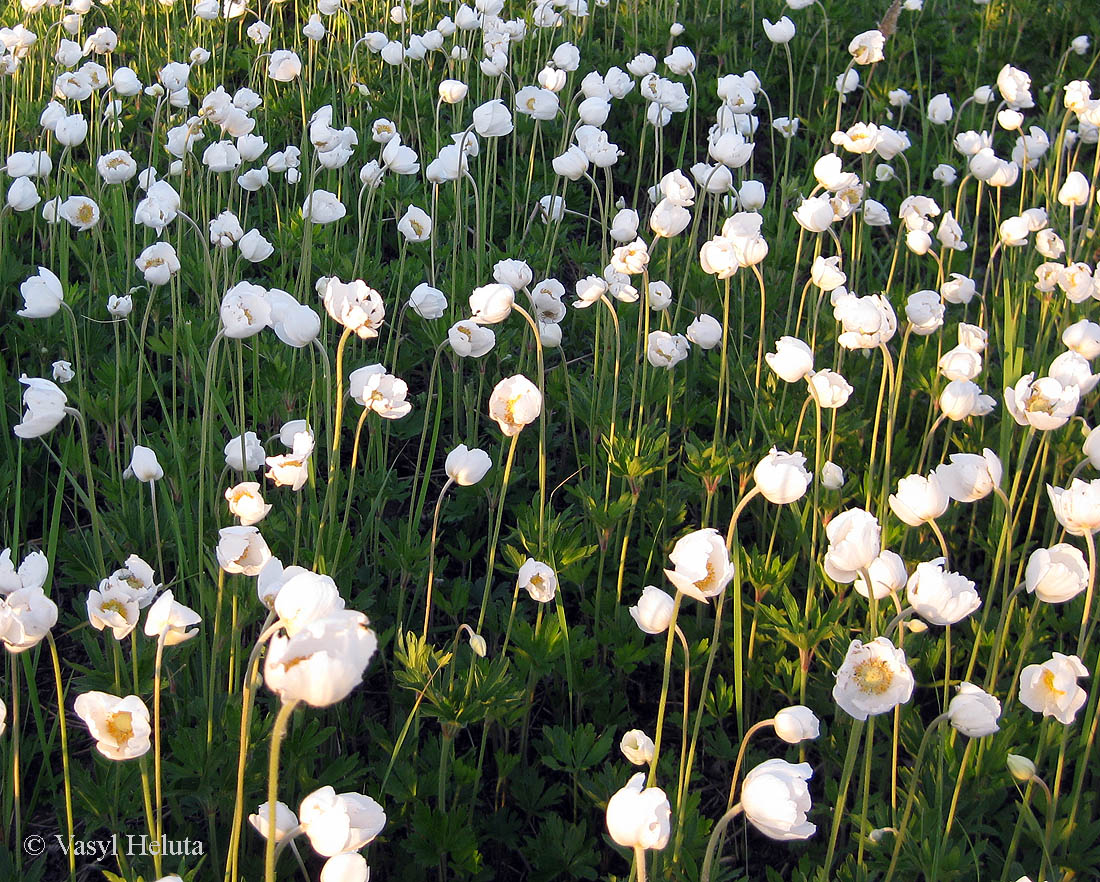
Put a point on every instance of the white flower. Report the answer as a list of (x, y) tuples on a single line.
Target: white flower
[(974, 712), (782, 477), (466, 466), (776, 799), (919, 499), (792, 360), (144, 465), (120, 726), (242, 549), (888, 576), (382, 392), (854, 541), (246, 503), (941, 597), (170, 621), (42, 295), (1077, 507), (637, 747), (639, 818), (702, 567), (539, 580), (515, 403), (45, 407), (1051, 688), (873, 679), (1056, 574), (355, 305), (796, 724), (285, 820), (320, 665), (337, 823), (705, 331), (970, 476), (653, 612), (1043, 404)]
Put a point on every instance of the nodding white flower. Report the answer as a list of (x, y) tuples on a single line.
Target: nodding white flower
[(491, 304), (225, 230), (681, 61), (873, 679), (292, 470), (653, 611), (660, 295), (283, 65), (827, 274), (780, 32), (71, 130), (847, 82), (470, 339), (961, 399), (415, 225), (339, 823), (120, 726), (428, 302), (33, 164), (666, 350), (945, 174), (829, 389), (171, 621), (323, 207), (382, 392), (637, 747), (492, 119), (958, 288), (940, 110), (112, 607), (136, 580), (302, 597), (776, 799), (705, 331), (970, 476), (960, 363), (792, 360), (158, 263), (285, 820), (832, 476), (866, 48), (1015, 88), (246, 503), (516, 274), (245, 310), (26, 616), (539, 580), (320, 664), (919, 499), (349, 866), (1072, 369), (796, 724), (972, 337), (247, 457), (974, 712), (941, 597), (32, 572), (782, 477), (42, 295), (452, 91), (1043, 404), (45, 407), (888, 576), (537, 103), (815, 215), (1075, 191), (355, 305), (1077, 507), (466, 466), (515, 403), (242, 550), (639, 817), (1056, 574), (144, 465), (854, 542), (1051, 688), (254, 247), (702, 567)]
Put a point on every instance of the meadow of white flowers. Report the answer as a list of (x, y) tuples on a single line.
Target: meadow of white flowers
[(564, 440)]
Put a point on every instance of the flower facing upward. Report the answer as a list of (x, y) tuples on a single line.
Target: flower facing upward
[(1051, 688), (639, 818), (120, 726), (873, 679), (775, 799), (702, 567), (515, 403)]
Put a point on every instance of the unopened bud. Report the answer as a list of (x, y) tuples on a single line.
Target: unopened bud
[(1021, 768)]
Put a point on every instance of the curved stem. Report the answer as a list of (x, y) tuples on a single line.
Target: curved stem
[(712, 843), (277, 735)]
